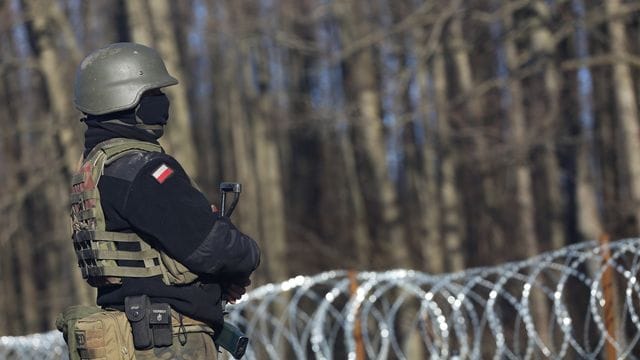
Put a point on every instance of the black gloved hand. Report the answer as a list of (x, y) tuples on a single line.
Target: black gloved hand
[(233, 290)]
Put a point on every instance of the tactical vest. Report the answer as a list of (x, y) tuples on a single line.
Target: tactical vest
[(97, 250)]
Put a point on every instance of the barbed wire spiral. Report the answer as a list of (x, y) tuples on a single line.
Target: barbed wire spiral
[(582, 302)]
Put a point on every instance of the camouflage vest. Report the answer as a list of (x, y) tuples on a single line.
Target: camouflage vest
[(96, 249)]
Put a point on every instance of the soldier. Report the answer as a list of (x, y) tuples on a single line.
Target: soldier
[(144, 235)]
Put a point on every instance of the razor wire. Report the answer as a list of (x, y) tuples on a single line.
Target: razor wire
[(582, 301)]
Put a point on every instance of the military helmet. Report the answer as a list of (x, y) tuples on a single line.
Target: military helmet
[(114, 77)]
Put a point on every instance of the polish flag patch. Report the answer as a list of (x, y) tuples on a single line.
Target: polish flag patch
[(162, 173)]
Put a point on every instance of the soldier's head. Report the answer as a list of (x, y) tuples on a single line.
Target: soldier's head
[(124, 79)]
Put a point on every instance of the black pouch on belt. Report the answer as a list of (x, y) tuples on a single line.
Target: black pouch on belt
[(160, 321), (137, 310)]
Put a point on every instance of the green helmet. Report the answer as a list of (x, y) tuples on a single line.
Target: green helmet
[(113, 78)]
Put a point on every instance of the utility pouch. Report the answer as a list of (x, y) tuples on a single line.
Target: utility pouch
[(137, 310), (105, 335), (150, 323), (66, 323), (160, 322)]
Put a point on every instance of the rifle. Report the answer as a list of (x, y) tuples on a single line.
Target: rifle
[(230, 337)]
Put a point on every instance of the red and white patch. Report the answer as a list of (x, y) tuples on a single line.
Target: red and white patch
[(162, 173)]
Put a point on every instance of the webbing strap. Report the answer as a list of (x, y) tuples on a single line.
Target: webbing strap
[(120, 271), (78, 178), (97, 235), (196, 329), (77, 198), (87, 214), (99, 353), (188, 324), (99, 254)]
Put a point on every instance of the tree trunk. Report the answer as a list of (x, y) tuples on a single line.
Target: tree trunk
[(60, 140), (589, 219), (369, 135), (140, 23), (361, 235), (520, 146), (525, 207), (7, 221), (179, 133), (268, 181), (28, 293), (8, 298), (433, 251), (626, 106), (42, 12), (150, 24), (543, 45), (452, 227)]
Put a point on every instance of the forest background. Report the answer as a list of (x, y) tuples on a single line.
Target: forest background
[(368, 134)]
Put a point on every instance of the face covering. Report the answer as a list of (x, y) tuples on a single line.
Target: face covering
[(145, 122), (153, 109), (152, 113)]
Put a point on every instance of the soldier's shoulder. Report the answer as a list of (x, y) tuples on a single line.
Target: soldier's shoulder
[(130, 165)]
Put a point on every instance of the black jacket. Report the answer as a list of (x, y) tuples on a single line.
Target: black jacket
[(139, 195)]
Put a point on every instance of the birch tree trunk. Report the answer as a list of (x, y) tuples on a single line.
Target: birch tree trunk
[(626, 105), (520, 145), (150, 24), (361, 235), (525, 207), (411, 206), (451, 219), (485, 198), (8, 298), (178, 133), (433, 251), (590, 223), (49, 22), (42, 12), (243, 154), (140, 23), (25, 284), (7, 221), (369, 133), (269, 186), (240, 151), (544, 47)]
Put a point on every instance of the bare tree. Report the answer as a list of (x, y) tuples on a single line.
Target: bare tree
[(150, 24), (368, 132), (427, 188), (525, 206), (548, 109), (626, 105), (590, 222)]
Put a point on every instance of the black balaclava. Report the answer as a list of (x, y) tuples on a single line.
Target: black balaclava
[(145, 122)]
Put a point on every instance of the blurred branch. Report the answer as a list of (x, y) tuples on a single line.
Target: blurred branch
[(55, 22), (33, 182), (529, 68), (422, 16), (427, 51), (601, 60), (596, 17), (11, 64)]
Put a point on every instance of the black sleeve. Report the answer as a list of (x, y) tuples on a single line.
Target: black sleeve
[(162, 204)]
